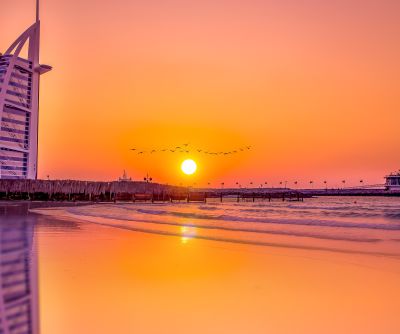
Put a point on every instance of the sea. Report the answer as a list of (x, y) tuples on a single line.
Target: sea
[(359, 225)]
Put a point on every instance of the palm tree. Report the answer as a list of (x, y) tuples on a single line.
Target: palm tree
[(312, 184)]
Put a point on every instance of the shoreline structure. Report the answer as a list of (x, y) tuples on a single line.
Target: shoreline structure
[(97, 191)]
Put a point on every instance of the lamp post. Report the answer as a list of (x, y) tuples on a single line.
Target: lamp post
[(147, 178)]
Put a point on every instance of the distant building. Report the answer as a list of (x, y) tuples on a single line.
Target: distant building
[(393, 181), (18, 278), (19, 106), (124, 177)]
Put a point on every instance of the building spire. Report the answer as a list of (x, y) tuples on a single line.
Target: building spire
[(37, 10)]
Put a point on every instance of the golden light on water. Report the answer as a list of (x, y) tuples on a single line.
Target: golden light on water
[(188, 232), (189, 166)]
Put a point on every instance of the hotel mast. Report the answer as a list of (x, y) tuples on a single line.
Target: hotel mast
[(19, 105)]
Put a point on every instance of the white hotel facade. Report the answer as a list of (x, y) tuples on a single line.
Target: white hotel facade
[(19, 106)]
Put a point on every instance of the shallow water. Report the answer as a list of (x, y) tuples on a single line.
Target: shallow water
[(360, 225), (326, 265)]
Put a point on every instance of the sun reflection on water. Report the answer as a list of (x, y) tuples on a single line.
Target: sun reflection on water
[(188, 232)]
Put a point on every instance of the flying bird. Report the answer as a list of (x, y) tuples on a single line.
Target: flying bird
[(184, 148)]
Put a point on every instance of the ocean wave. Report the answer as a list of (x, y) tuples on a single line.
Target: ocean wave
[(342, 212), (283, 221), (224, 239), (208, 208), (230, 228), (393, 215)]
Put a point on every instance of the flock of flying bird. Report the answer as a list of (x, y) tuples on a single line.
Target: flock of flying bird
[(186, 148)]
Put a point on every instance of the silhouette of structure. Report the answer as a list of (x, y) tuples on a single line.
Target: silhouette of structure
[(124, 177), (18, 277), (19, 105), (393, 181)]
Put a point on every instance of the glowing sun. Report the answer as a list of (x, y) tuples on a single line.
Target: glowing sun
[(188, 166)]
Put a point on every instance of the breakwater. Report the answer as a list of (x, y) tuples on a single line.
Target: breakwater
[(81, 190), (73, 190)]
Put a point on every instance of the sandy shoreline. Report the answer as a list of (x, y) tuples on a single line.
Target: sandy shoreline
[(100, 279)]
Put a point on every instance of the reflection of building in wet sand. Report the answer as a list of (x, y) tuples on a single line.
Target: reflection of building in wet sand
[(18, 277)]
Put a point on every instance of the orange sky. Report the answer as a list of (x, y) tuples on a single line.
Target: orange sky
[(311, 85)]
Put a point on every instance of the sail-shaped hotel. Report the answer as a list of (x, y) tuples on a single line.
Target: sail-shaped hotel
[(19, 105)]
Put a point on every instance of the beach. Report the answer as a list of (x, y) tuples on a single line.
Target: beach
[(328, 265)]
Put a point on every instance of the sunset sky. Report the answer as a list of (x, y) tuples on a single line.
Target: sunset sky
[(313, 86)]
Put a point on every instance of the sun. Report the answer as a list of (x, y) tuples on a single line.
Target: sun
[(189, 166)]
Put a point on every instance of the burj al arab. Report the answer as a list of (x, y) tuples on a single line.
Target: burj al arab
[(19, 105)]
